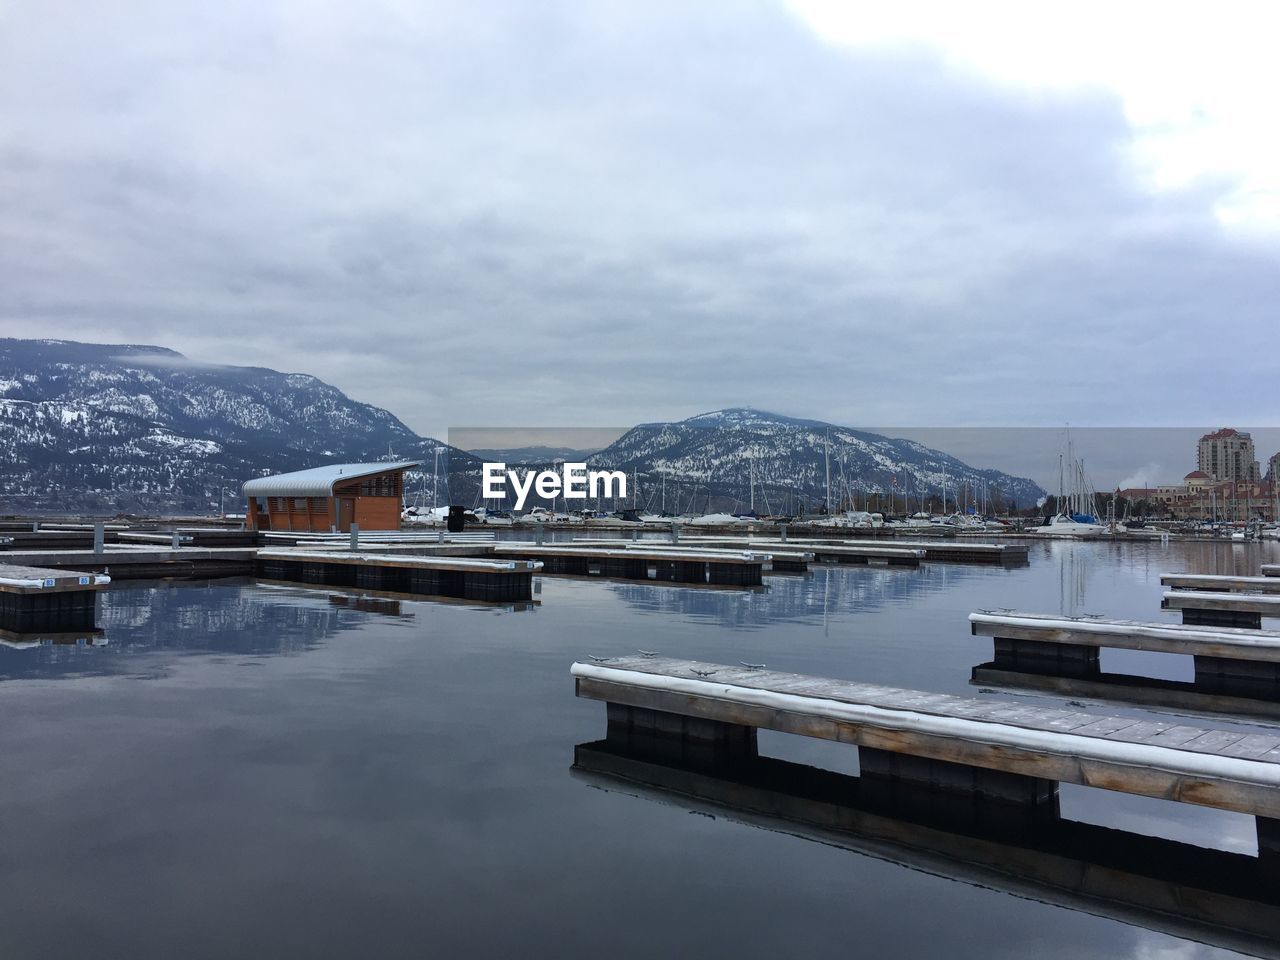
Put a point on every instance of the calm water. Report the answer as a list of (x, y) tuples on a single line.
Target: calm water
[(254, 770)]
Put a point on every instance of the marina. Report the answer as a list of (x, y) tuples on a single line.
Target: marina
[(322, 679)]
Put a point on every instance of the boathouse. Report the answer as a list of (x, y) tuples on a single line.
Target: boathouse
[(329, 498)]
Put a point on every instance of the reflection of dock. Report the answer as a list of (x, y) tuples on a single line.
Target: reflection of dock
[(1224, 899)]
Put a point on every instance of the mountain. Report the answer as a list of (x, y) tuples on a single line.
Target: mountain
[(537, 454), (129, 428), (720, 456), (110, 428)]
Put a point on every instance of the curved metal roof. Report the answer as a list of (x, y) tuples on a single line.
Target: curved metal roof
[(318, 481)]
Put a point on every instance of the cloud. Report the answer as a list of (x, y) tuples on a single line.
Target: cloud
[(590, 214)]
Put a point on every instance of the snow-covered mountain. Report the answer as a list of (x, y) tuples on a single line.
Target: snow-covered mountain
[(123, 427), (126, 428), (723, 454)]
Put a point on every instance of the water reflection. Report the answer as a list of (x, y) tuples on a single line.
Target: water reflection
[(227, 617), (1211, 896)]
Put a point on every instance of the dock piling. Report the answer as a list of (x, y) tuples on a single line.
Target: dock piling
[(99, 536), (355, 536)]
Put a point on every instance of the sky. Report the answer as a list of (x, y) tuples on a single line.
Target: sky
[(594, 214)]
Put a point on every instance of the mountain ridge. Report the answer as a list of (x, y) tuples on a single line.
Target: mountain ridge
[(136, 428)]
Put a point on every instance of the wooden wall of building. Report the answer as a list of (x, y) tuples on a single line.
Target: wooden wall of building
[(372, 502)]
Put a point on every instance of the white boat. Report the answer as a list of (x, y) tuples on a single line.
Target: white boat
[(1064, 525), (494, 518), (716, 520)]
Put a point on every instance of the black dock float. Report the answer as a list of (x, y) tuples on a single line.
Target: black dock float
[(38, 599), (1219, 609), (495, 581)]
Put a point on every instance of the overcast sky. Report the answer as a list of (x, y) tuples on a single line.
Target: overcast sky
[(596, 213)]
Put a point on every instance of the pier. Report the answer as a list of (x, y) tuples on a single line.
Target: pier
[(498, 581), (1237, 670), (644, 562), (977, 748), (845, 551), (1220, 584), (40, 599), (1227, 900), (1222, 609)]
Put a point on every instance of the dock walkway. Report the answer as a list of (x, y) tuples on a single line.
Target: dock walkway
[(980, 747), (1237, 670), (644, 562), (1216, 608), (35, 599), (492, 580)]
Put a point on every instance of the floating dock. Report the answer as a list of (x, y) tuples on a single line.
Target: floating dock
[(1220, 584), (1237, 670), (1222, 609), (663, 563), (40, 599), (1271, 569), (1227, 900), (976, 748), (138, 562), (498, 581), (846, 551)]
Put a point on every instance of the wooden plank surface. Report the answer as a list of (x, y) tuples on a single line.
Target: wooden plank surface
[(1268, 606), (1237, 643), (1221, 584), (507, 548), (32, 579), (396, 560), (1129, 755)]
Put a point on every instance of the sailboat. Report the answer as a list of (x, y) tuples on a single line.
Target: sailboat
[(1075, 517)]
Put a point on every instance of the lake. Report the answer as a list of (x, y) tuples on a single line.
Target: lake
[(246, 769)]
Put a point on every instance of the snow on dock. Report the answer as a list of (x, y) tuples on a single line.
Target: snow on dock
[(36, 599), (989, 748), (1237, 670)]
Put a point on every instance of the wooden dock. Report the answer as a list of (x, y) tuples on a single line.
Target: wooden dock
[(980, 748), (142, 562), (659, 562), (1223, 899), (932, 551), (817, 551), (1220, 584), (497, 581), (1222, 609), (1237, 670), (40, 599), (779, 560)]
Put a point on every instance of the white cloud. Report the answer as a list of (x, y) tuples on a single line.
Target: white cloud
[(1196, 80)]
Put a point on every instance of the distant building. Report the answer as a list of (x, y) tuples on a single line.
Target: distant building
[(1195, 481), (1228, 454), (329, 498), (1273, 468)]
